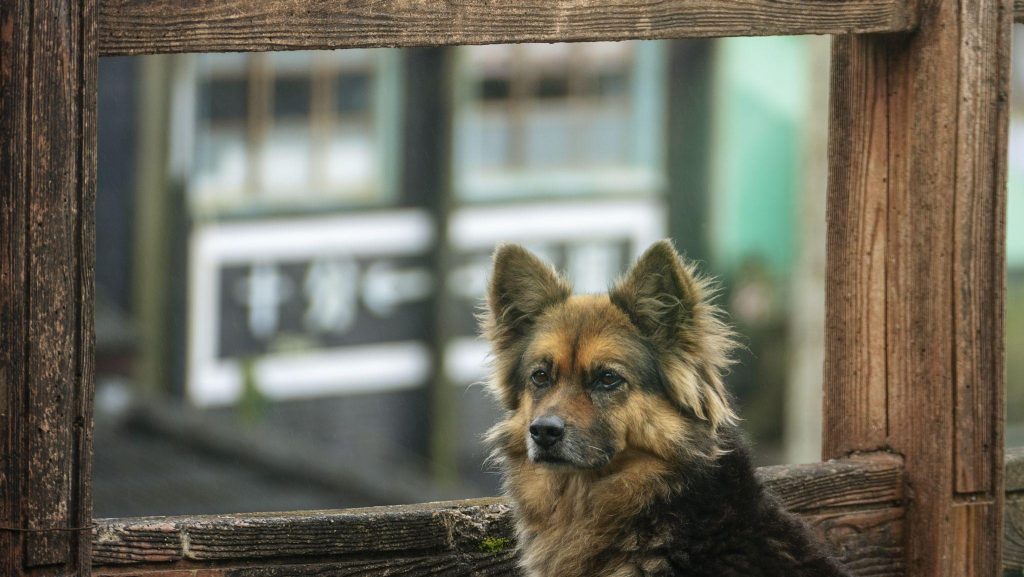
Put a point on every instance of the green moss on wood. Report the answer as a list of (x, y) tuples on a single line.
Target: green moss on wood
[(495, 544)]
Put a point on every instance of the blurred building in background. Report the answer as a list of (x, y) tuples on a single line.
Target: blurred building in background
[(292, 247), (1015, 252)]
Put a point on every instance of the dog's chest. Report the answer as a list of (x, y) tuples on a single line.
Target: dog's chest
[(589, 547)]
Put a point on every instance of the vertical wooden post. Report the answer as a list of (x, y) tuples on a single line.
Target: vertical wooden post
[(914, 328), (48, 65)]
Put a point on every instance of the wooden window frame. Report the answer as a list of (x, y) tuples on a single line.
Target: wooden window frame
[(915, 280)]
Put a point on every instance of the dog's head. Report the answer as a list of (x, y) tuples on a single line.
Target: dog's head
[(585, 379)]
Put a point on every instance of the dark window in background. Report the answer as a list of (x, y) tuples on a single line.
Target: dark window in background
[(292, 97), (354, 92)]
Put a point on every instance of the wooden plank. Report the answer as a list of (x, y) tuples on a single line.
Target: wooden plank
[(146, 540), (412, 530), (160, 26), (47, 90), (867, 541), (1013, 535), (1013, 527), (859, 480), (478, 540), (855, 412), (1014, 476), (1018, 10), (821, 491), (972, 555), (1013, 522), (475, 564), (930, 129), (15, 62), (979, 244)]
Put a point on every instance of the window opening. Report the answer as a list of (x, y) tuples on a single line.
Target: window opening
[(292, 257)]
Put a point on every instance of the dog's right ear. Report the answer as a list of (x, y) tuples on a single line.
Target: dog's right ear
[(522, 286)]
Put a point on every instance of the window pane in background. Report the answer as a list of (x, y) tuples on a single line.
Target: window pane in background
[(271, 340), (293, 96), (353, 92)]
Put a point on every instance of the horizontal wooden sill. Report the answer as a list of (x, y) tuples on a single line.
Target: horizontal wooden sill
[(854, 503), (163, 26)]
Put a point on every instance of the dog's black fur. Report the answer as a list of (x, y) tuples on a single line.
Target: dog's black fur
[(720, 522)]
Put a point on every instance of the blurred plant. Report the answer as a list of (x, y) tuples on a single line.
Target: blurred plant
[(252, 404)]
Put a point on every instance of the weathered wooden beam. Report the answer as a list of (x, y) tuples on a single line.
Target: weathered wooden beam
[(154, 544), (915, 279), (48, 67), (1013, 523), (159, 26), (855, 503)]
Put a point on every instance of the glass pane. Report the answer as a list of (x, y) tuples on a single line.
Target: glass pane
[(222, 163), (350, 159), (495, 89), (292, 97), (286, 163), (354, 93), (287, 131), (225, 99), (589, 116), (552, 86)]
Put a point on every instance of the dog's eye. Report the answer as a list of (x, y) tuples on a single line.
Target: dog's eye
[(541, 378), (607, 380)]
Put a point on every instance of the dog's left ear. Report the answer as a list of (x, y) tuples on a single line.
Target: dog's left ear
[(670, 305), (658, 294)]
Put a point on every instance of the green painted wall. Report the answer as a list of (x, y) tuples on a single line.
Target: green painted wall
[(760, 102), (1015, 202)]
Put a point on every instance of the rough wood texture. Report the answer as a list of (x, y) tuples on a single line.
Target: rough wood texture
[(1013, 525), (158, 26), (917, 161), (868, 541), (858, 480), (854, 503), (48, 71), (856, 399), (1014, 470), (1013, 535), (868, 538), (979, 243)]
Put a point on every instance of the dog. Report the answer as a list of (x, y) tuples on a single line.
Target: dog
[(619, 446)]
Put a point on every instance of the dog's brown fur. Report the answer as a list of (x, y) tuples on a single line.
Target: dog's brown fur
[(627, 449)]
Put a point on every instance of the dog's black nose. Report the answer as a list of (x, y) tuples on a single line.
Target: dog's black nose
[(547, 430)]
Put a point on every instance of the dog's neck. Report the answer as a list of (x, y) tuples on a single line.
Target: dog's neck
[(552, 496), (563, 513)]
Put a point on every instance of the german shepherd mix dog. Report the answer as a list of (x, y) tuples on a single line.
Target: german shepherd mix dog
[(619, 446)]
